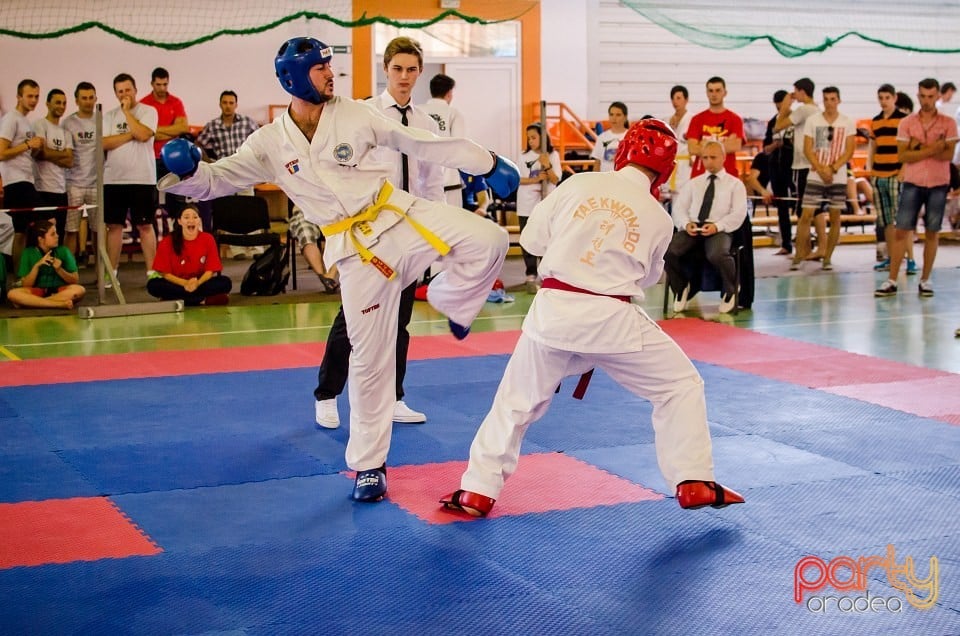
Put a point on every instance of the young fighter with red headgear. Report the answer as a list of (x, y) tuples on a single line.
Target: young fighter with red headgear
[(602, 237), (321, 152)]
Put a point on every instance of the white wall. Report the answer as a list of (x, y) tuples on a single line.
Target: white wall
[(593, 52), (243, 64)]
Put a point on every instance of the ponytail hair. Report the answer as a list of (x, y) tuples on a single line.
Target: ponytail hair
[(37, 229)]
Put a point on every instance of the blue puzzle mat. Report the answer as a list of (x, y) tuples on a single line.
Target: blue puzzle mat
[(247, 499)]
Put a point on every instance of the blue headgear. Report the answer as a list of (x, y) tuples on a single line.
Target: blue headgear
[(293, 63)]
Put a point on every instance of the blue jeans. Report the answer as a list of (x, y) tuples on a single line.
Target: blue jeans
[(914, 197)]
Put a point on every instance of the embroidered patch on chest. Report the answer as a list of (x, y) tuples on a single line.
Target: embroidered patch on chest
[(343, 152)]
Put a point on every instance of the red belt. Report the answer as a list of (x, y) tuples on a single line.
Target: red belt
[(554, 283)]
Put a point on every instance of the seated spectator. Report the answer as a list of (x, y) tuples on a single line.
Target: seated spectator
[(308, 238), (188, 265), (707, 210), (48, 272)]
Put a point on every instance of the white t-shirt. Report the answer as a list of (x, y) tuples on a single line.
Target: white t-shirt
[(84, 134), (50, 176), (829, 142), (605, 149), (799, 117), (15, 128), (530, 194), (133, 162)]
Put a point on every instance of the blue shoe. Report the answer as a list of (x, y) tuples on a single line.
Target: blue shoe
[(371, 485), (883, 265), (911, 266), (459, 331)]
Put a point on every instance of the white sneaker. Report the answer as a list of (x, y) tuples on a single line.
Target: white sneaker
[(403, 413), (327, 415), (681, 301), (727, 303)]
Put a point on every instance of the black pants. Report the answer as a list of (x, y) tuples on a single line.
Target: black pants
[(783, 187), (332, 376), (165, 290), (529, 260)]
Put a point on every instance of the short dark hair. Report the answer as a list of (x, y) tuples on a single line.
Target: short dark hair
[(230, 93), (124, 77), (441, 84), (929, 83), (904, 102), (779, 96), (680, 89), (26, 83), (159, 73), (887, 88), (806, 85), (717, 80), (83, 86), (54, 91), (831, 89), (948, 86)]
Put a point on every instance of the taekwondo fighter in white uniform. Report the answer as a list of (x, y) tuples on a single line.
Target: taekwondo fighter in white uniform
[(321, 152), (602, 237)]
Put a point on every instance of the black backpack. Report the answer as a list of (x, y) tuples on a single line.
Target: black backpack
[(269, 272)]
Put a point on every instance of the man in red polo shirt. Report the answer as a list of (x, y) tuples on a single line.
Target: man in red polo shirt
[(171, 123), (719, 124)]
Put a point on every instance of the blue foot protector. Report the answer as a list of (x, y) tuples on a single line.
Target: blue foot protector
[(459, 331), (371, 485)]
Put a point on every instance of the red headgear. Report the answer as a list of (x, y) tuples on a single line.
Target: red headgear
[(650, 143)]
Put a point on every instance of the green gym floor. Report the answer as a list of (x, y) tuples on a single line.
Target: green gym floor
[(835, 309)]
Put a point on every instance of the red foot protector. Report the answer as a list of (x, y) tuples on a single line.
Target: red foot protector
[(697, 494), (471, 503), (65, 530), (544, 482)]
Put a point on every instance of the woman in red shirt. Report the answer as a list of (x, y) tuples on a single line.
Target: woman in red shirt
[(188, 265)]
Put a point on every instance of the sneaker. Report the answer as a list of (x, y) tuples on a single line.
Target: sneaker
[(795, 264), (727, 303), (405, 414), (826, 265), (887, 288), (531, 285), (327, 415), (681, 301), (883, 265), (925, 288), (911, 266)]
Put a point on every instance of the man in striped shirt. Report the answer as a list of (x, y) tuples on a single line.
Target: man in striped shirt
[(884, 165), (925, 143)]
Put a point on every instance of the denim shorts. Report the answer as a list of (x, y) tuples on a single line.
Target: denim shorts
[(914, 197)]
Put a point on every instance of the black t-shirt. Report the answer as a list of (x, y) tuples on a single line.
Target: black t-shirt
[(781, 159)]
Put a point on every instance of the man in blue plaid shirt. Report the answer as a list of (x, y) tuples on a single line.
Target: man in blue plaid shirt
[(221, 137)]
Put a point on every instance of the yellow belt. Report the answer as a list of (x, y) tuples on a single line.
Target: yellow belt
[(362, 220)]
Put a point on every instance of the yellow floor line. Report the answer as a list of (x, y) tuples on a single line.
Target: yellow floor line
[(9, 354)]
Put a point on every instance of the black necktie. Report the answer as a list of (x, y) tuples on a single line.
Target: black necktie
[(405, 168), (707, 200)]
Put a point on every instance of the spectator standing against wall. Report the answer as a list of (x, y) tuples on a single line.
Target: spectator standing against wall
[(18, 143), (82, 176), (609, 140), (719, 124), (171, 123), (450, 123), (54, 158)]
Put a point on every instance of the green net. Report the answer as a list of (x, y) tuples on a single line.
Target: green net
[(179, 24), (809, 26)]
